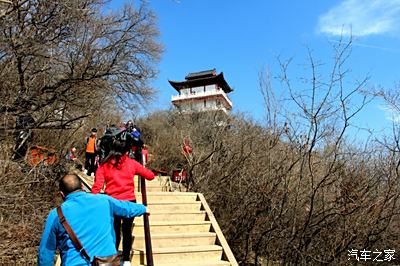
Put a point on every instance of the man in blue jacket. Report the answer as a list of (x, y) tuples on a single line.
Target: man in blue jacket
[(91, 218)]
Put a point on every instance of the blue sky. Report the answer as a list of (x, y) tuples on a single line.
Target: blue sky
[(240, 38)]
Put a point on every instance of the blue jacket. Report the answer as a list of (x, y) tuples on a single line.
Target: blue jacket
[(91, 217)]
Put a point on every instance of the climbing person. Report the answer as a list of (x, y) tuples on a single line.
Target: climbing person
[(91, 149), (111, 133), (117, 171), (72, 158), (71, 155), (91, 219), (23, 135), (129, 125), (136, 143)]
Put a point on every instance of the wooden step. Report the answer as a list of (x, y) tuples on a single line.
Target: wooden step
[(192, 254), (156, 181), (174, 207), (167, 227), (175, 216), (150, 184), (150, 189), (176, 240), (203, 263), (171, 197)]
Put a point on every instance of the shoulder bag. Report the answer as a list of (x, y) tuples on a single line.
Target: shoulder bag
[(114, 260)]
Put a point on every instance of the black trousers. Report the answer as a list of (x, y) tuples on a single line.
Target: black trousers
[(126, 235), (90, 162)]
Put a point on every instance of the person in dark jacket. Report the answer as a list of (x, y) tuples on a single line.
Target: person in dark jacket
[(22, 136)]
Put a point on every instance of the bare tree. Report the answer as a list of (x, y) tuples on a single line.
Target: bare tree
[(61, 59), (69, 64), (297, 190)]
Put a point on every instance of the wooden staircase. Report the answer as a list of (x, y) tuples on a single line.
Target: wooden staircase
[(183, 229)]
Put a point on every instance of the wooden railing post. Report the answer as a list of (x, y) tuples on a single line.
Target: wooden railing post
[(147, 236)]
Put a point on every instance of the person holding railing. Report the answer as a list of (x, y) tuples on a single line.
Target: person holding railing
[(117, 171)]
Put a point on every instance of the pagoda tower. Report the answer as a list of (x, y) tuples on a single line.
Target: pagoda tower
[(202, 91)]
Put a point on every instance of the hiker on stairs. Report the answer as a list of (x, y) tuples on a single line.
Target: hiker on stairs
[(90, 217), (91, 149), (22, 136), (117, 171)]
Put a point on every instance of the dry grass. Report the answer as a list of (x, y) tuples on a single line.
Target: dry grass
[(26, 195)]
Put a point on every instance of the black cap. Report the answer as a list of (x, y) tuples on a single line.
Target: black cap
[(94, 129)]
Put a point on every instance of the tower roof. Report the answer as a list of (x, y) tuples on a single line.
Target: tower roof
[(202, 78), (201, 74)]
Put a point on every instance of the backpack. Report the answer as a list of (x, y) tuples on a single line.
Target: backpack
[(113, 133), (110, 135)]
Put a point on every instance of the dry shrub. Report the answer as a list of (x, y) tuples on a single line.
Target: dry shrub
[(27, 194), (73, 66), (278, 200)]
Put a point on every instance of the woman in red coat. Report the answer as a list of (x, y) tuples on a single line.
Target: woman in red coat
[(117, 171)]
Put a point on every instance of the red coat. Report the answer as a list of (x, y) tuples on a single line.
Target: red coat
[(120, 180)]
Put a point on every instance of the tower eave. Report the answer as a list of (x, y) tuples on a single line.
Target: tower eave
[(202, 81)]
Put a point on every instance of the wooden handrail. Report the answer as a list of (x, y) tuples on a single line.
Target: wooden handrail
[(146, 223)]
